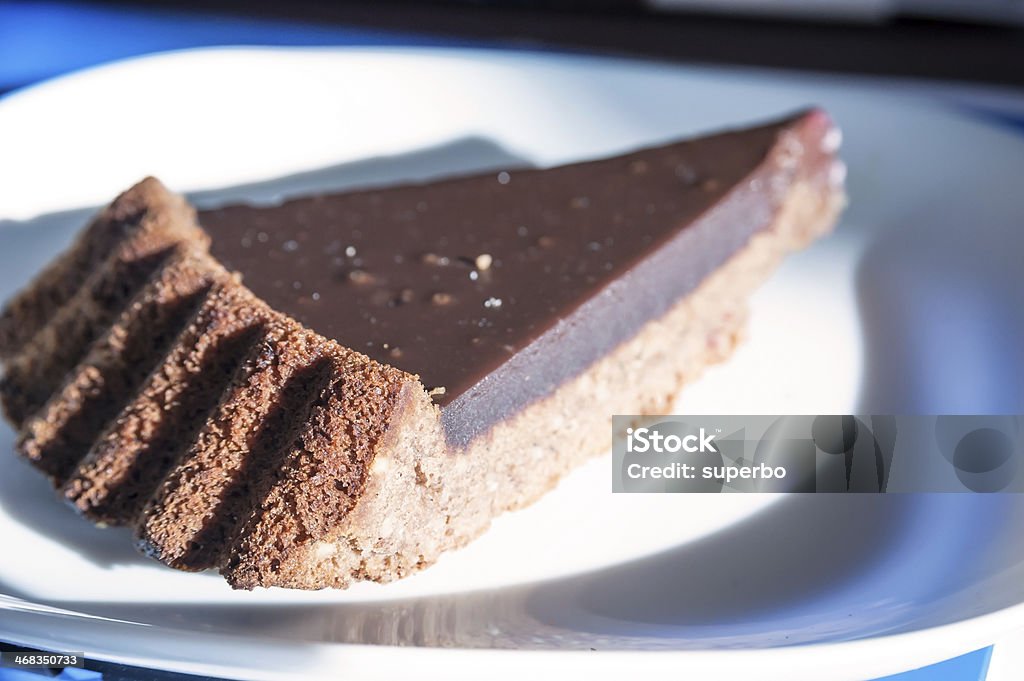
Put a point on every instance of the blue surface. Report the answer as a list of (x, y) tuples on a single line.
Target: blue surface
[(1012, 120), (42, 40), (969, 667), (76, 674), (21, 675), (69, 674)]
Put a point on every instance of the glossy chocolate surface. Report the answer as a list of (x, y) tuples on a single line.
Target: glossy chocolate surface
[(499, 287)]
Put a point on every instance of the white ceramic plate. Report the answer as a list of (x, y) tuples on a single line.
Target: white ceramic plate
[(914, 305)]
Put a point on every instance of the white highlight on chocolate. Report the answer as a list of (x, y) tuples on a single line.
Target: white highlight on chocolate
[(832, 140), (837, 173)]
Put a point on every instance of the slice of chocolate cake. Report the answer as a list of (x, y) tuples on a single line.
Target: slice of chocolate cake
[(390, 369)]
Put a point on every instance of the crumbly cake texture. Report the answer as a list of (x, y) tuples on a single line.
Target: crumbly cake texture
[(145, 209), (94, 391), (46, 329), (156, 391)]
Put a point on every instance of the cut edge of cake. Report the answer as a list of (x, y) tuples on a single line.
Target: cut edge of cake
[(240, 440)]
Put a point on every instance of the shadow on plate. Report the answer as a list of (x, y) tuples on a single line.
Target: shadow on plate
[(942, 309), (28, 499), (460, 157), (808, 569)]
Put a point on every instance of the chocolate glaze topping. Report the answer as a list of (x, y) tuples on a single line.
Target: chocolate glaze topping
[(499, 287)]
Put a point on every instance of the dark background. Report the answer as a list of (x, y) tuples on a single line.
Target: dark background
[(39, 40)]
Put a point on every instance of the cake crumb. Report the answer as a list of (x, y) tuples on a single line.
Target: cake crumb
[(686, 173), (434, 259), (360, 277)]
